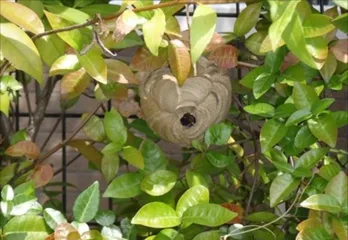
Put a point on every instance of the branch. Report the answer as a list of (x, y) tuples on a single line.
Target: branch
[(6, 128), (6, 64), (249, 65)]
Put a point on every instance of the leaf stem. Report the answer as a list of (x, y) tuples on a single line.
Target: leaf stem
[(249, 65)]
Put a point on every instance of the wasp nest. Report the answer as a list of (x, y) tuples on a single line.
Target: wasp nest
[(182, 114)]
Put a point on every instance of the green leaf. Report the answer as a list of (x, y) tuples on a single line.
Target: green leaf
[(105, 217), (271, 133), (4, 103), (341, 22), (319, 106), (304, 138), (324, 128), (218, 134), (9, 83), (212, 235), (132, 39), (274, 60), (7, 193), (282, 186), (338, 187), (194, 178), (114, 127), (329, 171), (153, 155), (156, 215), (311, 158), (279, 26), (261, 109), (316, 25), (26, 188), (296, 42), (340, 227), (284, 110), (295, 73), (329, 67), (153, 31), (94, 65), (158, 183), (317, 233), (22, 204), (304, 96), (179, 60), (22, 16), (340, 117), (87, 203), (220, 160), (207, 214), (76, 38), (194, 195), (280, 161), (124, 186), (111, 232), (169, 234), (318, 48), (298, 116), (142, 126), (254, 42), (90, 152), (247, 19), (249, 78), (110, 165), (322, 202), (26, 227), (341, 3), (36, 6), (65, 64), (261, 217), (103, 9), (202, 30), (53, 217), (262, 83), (133, 156), (19, 49), (94, 128)]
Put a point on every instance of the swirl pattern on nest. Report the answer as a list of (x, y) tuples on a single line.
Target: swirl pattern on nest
[(182, 114)]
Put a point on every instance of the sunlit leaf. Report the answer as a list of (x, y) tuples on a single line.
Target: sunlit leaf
[(133, 156), (311, 158), (110, 165), (316, 25), (249, 78), (282, 186), (94, 65), (341, 3), (317, 46), (247, 19), (324, 128), (338, 187), (153, 31), (19, 49), (271, 133), (322, 202), (156, 215), (298, 116), (87, 203), (341, 22), (318, 233), (194, 195), (22, 16), (114, 127), (125, 24), (304, 138), (53, 218), (153, 155), (74, 83), (254, 42), (124, 186), (218, 134), (225, 56), (220, 160), (172, 26), (65, 64), (119, 72), (261, 109), (94, 128), (341, 118), (24, 148), (304, 96), (4, 103), (158, 183), (202, 30), (179, 60), (262, 84)]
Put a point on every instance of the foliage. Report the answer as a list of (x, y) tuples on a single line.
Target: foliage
[(293, 184)]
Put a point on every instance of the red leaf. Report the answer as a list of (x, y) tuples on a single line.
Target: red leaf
[(143, 60), (225, 56), (216, 42), (179, 60), (42, 175), (237, 209), (24, 148)]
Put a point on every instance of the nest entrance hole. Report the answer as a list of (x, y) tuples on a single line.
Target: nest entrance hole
[(188, 120)]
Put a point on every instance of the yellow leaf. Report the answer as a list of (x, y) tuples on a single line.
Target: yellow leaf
[(88, 151), (94, 65), (73, 84), (125, 24), (20, 50), (153, 31), (119, 72), (22, 16), (143, 60), (179, 60), (65, 64)]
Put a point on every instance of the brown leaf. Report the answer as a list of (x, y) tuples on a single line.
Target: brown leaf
[(172, 26), (73, 84), (50, 237), (127, 106), (63, 230), (179, 60), (24, 148), (119, 72), (225, 56), (216, 41), (88, 151), (42, 175), (340, 50), (289, 60), (125, 24), (143, 60)]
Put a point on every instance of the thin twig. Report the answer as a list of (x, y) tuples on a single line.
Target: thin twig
[(67, 165), (249, 65), (51, 133), (4, 66)]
